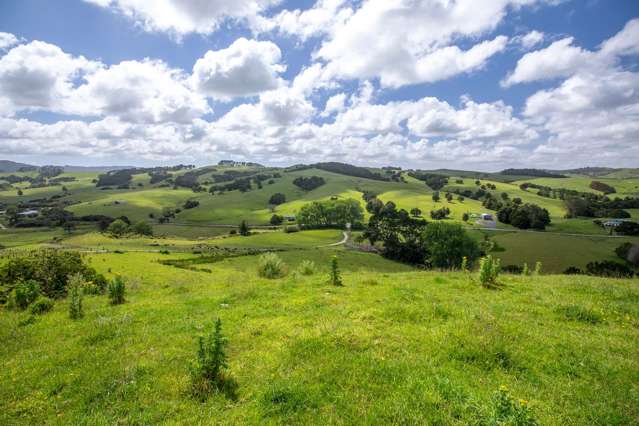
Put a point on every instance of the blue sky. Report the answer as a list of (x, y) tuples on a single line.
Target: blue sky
[(474, 84)]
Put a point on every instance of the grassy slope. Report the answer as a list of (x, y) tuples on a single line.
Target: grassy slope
[(408, 347)]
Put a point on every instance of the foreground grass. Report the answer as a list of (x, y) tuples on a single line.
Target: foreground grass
[(405, 347)]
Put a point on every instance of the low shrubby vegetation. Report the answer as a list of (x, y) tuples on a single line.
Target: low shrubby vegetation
[(322, 214), (270, 265)]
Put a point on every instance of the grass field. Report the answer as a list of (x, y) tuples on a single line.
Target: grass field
[(392, 346)]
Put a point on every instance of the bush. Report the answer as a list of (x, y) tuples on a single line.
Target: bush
[(309, 183), (537, 270), (307, 267), (117, 290), (276, 220), (191, 204), (291, 229), (49, 268), (336, 276), (41, 305), (623, 250), (440, 213), (76, 283), (513, 269), (118, 228), (244, 229), (573, 270), (208, 370), (270, 265), (25, 293), (608, 268), (447, 245), (142, 228), (277, 199), (628, 228), (489, 269)]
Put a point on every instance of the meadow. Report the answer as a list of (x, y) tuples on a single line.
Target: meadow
[(394, 345)]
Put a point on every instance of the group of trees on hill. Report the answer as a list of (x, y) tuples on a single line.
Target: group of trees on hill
[(343, 169), (319, 214), (531, 172), (526, 216), (412, 240), (309, 183), (434, 181), (602, 187)]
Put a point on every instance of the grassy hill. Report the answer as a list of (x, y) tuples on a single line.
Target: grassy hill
[(394, 345)]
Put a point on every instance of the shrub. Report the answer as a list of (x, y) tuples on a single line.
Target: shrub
[(309, 183), (447, 245), (440, 213), (608, 268), (208, 370), (191, 204), (76, 282), (118, 228), (436, 197), (41, 305), (537, 268), (276, 220), (307, 267), (465, 217), (415, 212), (277, 199), (525, 271), (513, 269), (623, 250), (489, 269), (628, 228), (291, 229), (573, 270), (336, 277), (464, 264), (49, 268), (25, 293), (270, 265), (142, 228), (117, 290), (244, 229)]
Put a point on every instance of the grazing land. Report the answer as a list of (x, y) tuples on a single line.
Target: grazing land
[(398, 342)]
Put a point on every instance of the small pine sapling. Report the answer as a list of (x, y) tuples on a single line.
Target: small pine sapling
[(336, 277), (537, 268), (75, 296)]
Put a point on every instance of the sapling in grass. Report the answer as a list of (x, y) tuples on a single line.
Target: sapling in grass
[(537, 268), (525, 271), (307, 267), (464, 264), (117, 290), (75, 296), (336, 276), (489, 269), (208, 371)]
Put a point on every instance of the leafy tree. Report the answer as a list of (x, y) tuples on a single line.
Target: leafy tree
[(524, 216), (415, 212), (276, 220), (449, 197), (461, 198), (20, 193), (374, 205), (68, 227), (440, 213), (436, 196), (628, 228), (465, 217), (400, 234), (142, 228), (447, 245), (244, 229), (309, 183), (623, 250), (330, 213), (191, 204), (277, 199), (434, 181), (118, 228)]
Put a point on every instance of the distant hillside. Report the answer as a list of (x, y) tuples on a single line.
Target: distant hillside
[(7, 166), (590, 171), (532, 172), (94, 169)]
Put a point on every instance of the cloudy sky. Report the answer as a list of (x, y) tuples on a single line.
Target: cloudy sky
[(473, 84)]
